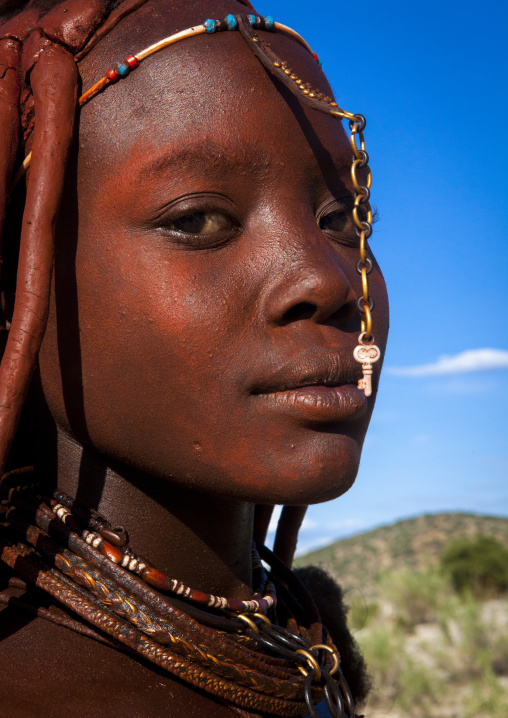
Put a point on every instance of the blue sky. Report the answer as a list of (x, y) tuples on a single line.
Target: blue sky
[(431, 79)]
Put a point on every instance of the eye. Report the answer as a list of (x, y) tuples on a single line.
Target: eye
[(335, 221), (196, 228), (201, 223)]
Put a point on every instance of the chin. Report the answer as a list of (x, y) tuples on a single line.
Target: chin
[(311, 473)]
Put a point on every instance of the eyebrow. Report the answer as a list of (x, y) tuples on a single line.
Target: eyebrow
[(210, 156)]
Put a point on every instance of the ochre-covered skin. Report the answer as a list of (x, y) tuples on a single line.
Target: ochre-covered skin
[(185, 375)]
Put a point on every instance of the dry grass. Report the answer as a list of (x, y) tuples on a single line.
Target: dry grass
[(431, 653)]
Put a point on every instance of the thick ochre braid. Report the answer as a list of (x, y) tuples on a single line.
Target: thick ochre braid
[(54, 85), (9, 119)]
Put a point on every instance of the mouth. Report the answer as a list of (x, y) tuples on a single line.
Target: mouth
[(315, 388)]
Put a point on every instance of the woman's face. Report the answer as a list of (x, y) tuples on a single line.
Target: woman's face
[(210, 261)]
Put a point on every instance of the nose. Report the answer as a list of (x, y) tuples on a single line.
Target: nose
[(310, 282)]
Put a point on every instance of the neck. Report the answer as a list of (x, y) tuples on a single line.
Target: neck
[(204, 541)]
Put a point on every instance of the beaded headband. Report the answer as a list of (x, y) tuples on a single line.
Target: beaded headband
[(366, 353)]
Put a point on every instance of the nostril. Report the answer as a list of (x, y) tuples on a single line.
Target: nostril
[(302, 310), (344, 315)]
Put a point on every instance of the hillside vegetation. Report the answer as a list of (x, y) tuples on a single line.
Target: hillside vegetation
[(432, 651), (358, 562)]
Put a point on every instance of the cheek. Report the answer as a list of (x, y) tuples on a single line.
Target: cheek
[(163, 340), (154, 327)]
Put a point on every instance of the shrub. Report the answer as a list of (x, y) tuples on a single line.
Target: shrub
[(479, 566)]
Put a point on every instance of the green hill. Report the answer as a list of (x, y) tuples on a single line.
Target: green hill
[(358, 561)]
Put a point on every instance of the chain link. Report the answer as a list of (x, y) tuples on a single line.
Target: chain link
[(311, 660), (362, 217)]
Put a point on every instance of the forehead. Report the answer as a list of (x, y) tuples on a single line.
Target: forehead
[(207, 92)]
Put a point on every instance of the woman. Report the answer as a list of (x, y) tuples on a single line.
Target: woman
[(196, 357)]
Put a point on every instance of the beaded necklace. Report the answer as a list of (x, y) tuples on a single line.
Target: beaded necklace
[(114, 544), (274, 658)]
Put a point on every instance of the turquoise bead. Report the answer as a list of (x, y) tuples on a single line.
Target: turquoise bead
[(251, 19), (209, 25), (231, 21), (123, 69), (269, 22)]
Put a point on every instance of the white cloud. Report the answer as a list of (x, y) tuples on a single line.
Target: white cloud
[(308, 524), (468, 361), (345, 524), (316, 543)]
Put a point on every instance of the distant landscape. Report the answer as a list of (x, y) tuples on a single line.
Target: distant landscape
[(432, 651)]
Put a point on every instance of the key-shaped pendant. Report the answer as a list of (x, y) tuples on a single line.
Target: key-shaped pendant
[(366, 353)]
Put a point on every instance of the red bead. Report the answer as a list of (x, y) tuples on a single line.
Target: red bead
[(199, 597), (235, 605), (316, 58), (263, 606), (132, 62), (116, 539), (156, 579), (112, 75), (110, 552)]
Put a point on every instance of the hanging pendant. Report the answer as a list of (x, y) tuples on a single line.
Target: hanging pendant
[(366, 353)]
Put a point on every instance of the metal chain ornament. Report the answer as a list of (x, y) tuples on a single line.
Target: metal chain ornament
[(366, 353)]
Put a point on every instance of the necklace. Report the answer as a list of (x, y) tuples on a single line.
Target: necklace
[(269, 654), (114, 544)]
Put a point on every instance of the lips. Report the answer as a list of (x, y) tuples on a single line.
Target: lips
[(316, 387)]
